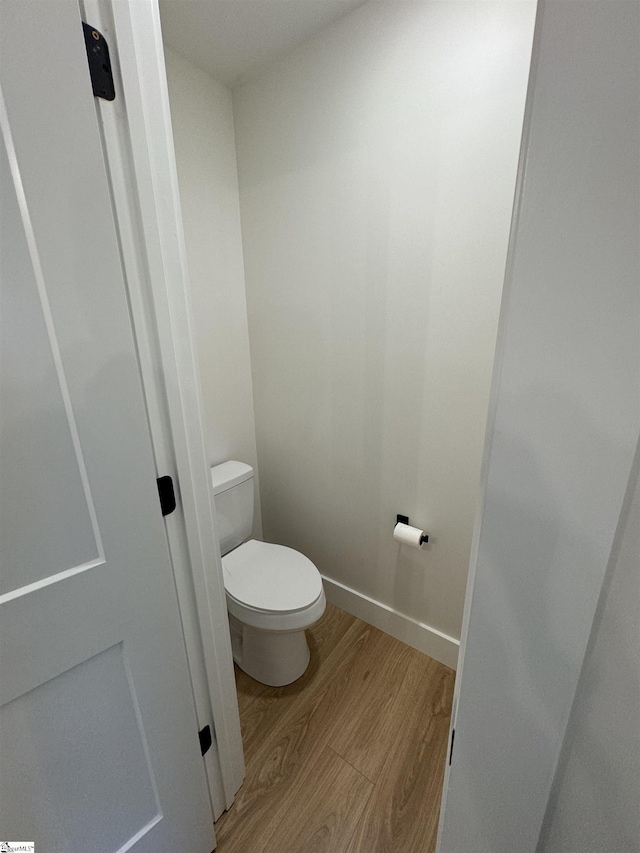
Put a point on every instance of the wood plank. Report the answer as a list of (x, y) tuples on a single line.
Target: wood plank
[(282, 752), (401, 815), (372, 713), (331, 798)]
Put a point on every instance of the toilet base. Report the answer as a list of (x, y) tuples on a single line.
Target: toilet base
[(274, 658)]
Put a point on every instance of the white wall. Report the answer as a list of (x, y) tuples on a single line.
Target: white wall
[(563, 432), (595, 804), (202, 119), (377, 169)]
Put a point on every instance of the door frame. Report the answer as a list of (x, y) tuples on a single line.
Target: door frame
[(137, 140), (492, 407)]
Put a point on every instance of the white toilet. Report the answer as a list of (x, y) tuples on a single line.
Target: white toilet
[(273, 592)]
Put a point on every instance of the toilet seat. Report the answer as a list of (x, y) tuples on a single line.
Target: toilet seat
[(272, 587)]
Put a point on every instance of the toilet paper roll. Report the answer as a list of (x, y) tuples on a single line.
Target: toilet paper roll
[(408, 535)]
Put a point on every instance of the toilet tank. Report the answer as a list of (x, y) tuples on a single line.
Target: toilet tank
[(233, 495)]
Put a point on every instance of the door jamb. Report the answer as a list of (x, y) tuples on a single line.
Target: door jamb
[(138, 143)]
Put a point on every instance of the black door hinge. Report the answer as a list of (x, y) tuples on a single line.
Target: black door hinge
[(205, 739), (99, 63), (167, 495), (453, 734)]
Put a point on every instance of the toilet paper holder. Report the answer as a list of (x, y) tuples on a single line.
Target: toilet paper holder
[(404, 519)]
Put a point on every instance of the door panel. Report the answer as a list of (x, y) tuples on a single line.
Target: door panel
[(99, 795), (98, 736), (39, 458)]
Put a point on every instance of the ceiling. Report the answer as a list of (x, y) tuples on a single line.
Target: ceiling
[(230, 39)]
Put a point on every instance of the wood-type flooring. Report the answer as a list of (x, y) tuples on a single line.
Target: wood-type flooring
[(348, 759)]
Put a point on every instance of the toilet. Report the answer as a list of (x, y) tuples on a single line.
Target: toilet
[(273, 593)]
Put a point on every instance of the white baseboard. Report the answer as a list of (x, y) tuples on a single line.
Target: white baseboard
[(428, 640)]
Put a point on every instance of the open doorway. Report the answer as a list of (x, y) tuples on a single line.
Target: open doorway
[(347, 174)]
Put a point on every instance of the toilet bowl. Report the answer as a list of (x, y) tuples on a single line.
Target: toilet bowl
[(273, 593)]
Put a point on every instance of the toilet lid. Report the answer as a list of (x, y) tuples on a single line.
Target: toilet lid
[(270, 577)]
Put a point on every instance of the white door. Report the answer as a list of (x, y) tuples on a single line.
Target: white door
[(99, 742), (563, 428)]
